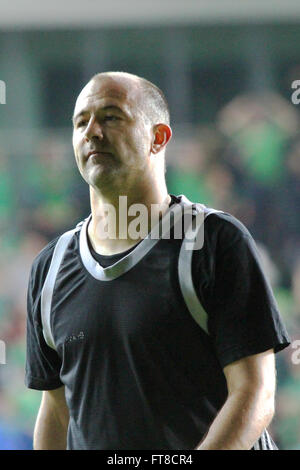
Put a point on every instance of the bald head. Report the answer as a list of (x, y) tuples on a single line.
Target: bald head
[(126, 118), (151, 99)]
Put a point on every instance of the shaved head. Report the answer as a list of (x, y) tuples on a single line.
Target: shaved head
[(125, 118), (152, 101)]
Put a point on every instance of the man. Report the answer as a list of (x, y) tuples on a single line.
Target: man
[(110, 339)]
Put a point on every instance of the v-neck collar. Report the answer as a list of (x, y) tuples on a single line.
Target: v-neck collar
[(133, 257)]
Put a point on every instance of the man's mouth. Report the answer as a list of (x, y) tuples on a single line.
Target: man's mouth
[(97, 153)]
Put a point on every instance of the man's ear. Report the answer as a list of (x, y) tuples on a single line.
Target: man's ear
[(162, 135)]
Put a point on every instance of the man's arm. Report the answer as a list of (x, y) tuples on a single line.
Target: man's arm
[(249, 407), (50, 432)]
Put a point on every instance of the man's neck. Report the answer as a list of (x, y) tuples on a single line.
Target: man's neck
[(121, 221)]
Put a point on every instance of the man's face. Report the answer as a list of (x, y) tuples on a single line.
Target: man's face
[(111, 138)]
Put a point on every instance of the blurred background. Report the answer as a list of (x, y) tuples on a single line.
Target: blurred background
[(227, 69)]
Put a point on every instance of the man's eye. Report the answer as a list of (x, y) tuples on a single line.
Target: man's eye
[(110, 117), (81, 123)]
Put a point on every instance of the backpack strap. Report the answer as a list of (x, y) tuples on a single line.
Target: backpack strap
[(48, 287), (192, 241)]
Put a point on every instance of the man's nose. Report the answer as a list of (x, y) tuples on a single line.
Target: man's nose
[(93, 130)]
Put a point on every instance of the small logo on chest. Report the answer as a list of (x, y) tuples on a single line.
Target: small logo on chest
[(73, 337)]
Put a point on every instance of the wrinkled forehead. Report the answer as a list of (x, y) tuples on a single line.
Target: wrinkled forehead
[(110, 90)]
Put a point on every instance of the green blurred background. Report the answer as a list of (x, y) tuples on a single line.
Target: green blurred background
[(226, 68)]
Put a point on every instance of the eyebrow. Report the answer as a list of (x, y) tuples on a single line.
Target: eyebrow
[(105, 108)]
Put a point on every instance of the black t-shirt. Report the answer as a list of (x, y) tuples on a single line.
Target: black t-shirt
[(139, 373)]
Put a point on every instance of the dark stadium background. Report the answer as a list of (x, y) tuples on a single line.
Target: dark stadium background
[(226, 68)]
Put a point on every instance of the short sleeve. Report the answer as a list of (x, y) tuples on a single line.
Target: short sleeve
[(243, 316), (42, 370)]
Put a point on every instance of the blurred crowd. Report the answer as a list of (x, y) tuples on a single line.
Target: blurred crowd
[(247, 164)]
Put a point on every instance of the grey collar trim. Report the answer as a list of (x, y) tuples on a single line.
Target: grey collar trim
[(131, 259)]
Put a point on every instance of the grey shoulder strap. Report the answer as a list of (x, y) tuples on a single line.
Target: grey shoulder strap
[(192, 301), (48, 287), (188, 247)]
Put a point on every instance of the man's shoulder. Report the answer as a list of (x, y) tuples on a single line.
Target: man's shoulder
[(40, 265), (41, 262), (46, 253), (225, 224), (218, 222)]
